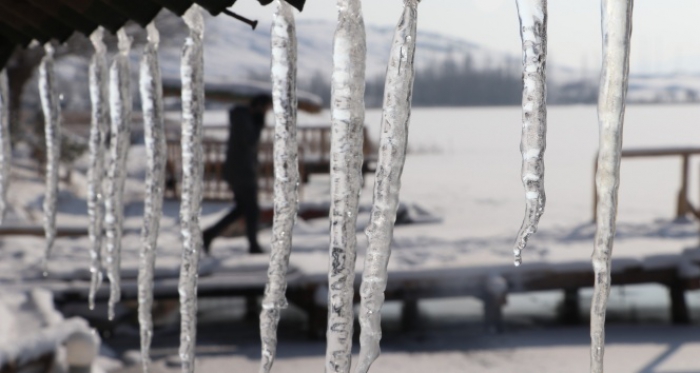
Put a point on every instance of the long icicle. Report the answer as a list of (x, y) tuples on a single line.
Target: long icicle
[(5, 147), (154, 132), (617, 34), (99, 127), (120, 113), (347, 123), (398, 93), (284, 73), (192, 169), (52, 119), (533, 31)]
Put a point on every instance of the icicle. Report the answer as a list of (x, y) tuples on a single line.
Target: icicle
[(398, 93), (348, 119), (52, 118), (5, 147), (533, 31), (617, 32), (99, 128), (120, 113), (284, 73), (154, 133), (192, 170)]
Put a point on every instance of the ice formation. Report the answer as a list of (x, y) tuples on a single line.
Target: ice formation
[(192, 169), (617, 31), (120, 113), (392, 155), (533, 31), (284, 72), (52, 129), (154, 135), (348, 119), (5, 147), (99, 128)]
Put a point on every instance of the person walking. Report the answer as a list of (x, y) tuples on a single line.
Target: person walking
[(240, 171)]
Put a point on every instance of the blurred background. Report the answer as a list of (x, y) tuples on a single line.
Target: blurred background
[(454, 303)]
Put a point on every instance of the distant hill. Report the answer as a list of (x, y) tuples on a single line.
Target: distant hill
[(234, 51)]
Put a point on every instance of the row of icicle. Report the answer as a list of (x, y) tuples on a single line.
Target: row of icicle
[(110, 97)]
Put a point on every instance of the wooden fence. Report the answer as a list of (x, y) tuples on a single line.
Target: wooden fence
[(314, 158)]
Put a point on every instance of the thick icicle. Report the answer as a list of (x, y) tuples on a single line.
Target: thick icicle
[(617, 33), (398, 93), (533, 31), (192, 76), (120, 113), (99, 127), (154, 133), (348, 119), (52, 119), (5, 148), (284, 73)]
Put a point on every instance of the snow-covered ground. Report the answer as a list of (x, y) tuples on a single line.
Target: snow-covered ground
[(464, 165)]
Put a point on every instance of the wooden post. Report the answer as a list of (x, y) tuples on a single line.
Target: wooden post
[(682, 208), (570, 307), (410, 314), (680, 314)]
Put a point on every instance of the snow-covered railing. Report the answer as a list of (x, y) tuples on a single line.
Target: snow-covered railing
[(347, 110)]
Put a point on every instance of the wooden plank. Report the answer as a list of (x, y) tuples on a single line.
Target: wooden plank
[(659, 152), (38, 230)]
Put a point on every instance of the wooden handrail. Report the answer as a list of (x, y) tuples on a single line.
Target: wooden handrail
[(683, 206)]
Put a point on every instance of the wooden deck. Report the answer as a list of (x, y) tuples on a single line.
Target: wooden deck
[(491, 284)]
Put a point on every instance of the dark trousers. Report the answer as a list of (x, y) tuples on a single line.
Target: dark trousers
[(246, 206)]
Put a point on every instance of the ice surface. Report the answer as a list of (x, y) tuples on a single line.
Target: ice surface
[(192, 76), (52, 128), (5, 148), (120, 113), (392, 156), (533, 31), (151, 89), (617, 31), (286, 179), (348, 119), (99, 128)]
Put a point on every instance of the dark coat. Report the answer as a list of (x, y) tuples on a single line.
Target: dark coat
[(240, 169)]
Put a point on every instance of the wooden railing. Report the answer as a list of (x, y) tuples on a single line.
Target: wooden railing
[(314, 158), (683, 205)]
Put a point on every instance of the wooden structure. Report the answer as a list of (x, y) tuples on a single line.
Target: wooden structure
[(491, 284), (314, 158), (683, 206)]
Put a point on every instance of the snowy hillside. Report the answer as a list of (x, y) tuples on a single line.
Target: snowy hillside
[(233, 51)]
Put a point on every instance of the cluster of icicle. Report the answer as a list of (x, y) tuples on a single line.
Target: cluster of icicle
[(347, 112), (5, 150), (617, 32), (533, 31), (120, 114), (286, 178), (99, 129), (347, 123), (51, 107), (154, 137), (192, 169)]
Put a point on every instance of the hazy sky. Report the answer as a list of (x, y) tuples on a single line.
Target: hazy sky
[(665, 36)]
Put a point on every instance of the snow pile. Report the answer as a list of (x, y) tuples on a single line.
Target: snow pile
[(30, 327)]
